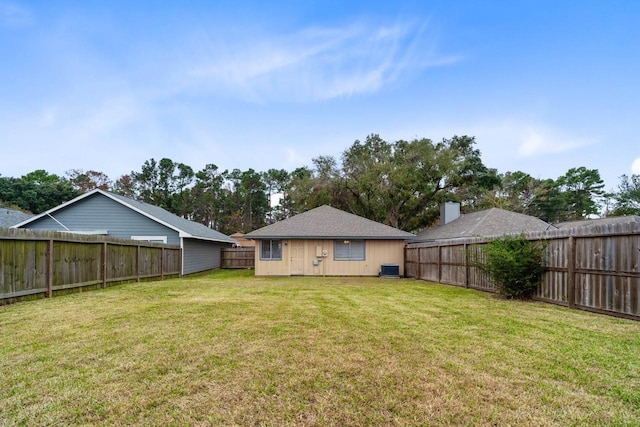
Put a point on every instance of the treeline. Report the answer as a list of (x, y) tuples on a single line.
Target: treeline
[(399, 183)]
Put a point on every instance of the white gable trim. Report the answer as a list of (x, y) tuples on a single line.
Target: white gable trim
[(181, 233), (52, 210)]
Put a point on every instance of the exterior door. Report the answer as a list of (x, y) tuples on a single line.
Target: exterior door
[(297, 257)]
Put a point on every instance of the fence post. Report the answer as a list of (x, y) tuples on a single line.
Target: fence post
[(180, 264), (405, 253), (104, 265), (162, 264), (439, 264), (571, 272), (466, 265), (138, 263), (49, 258)]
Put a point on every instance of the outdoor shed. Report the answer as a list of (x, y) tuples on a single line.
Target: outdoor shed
[(104, 213), (328, 241)]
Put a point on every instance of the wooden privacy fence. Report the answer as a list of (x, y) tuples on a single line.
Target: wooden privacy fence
[(36, 262), (244, 257), (591, 268)]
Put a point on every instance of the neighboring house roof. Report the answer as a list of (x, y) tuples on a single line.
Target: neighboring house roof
[(489, 222), (325, 222), (599, 221), (184, 227), (241, 240), (10, 217)]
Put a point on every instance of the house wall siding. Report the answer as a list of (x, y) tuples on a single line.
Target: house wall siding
[(98, 212), (377, 252), (201, 255)]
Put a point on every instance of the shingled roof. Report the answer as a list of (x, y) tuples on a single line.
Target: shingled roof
[(325, 222), (489, 222), (612, 220), (9, 217), (185, 227)]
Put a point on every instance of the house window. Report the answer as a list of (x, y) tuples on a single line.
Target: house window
[(271, 250), (348, 250)]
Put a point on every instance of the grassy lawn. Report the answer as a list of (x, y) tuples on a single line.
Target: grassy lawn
[(229, 349)]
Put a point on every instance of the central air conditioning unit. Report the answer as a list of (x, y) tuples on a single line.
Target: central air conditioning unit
[(390, 270)]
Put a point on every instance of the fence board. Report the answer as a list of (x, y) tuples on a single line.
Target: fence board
[(591, 268), (243, 257), (36, 262)]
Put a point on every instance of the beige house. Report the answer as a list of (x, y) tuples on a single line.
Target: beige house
[(331, 242)]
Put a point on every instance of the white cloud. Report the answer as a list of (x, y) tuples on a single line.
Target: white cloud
[(635, 166), (319, 63), (534, 141), (522, 138), (517, 143), (102, 136)]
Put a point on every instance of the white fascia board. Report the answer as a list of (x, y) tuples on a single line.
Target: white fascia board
[(50, 211), (181, 232), (141, 212)]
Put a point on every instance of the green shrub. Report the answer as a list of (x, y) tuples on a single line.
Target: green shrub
[(515, 264)]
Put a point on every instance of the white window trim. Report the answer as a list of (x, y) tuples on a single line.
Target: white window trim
[(349, 242), (155, 239), (271, 249)]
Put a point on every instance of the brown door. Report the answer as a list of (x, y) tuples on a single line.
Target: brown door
[(297, 258)]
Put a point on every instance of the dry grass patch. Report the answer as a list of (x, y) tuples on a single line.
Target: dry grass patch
[(230, 349)]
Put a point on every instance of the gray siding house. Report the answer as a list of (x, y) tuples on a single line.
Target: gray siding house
[(104, 213)]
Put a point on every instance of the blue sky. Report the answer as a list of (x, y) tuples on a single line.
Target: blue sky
[(543, 85)]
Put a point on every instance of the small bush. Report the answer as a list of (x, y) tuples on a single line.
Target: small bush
[(515, 264)]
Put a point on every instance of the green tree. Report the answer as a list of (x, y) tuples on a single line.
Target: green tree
[(367, 169), (520, 192), (276, 182), (580, 188), (309, 188), (41, 177), (627, 198), (299, 190), (146, 182), (125, 186), (208, 196), (515, 264), (165, 188), (245, 203), (546, 201), (400, 184), (89, 180), (182, 200), (166, 184), (256, 202), (36, 192)]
